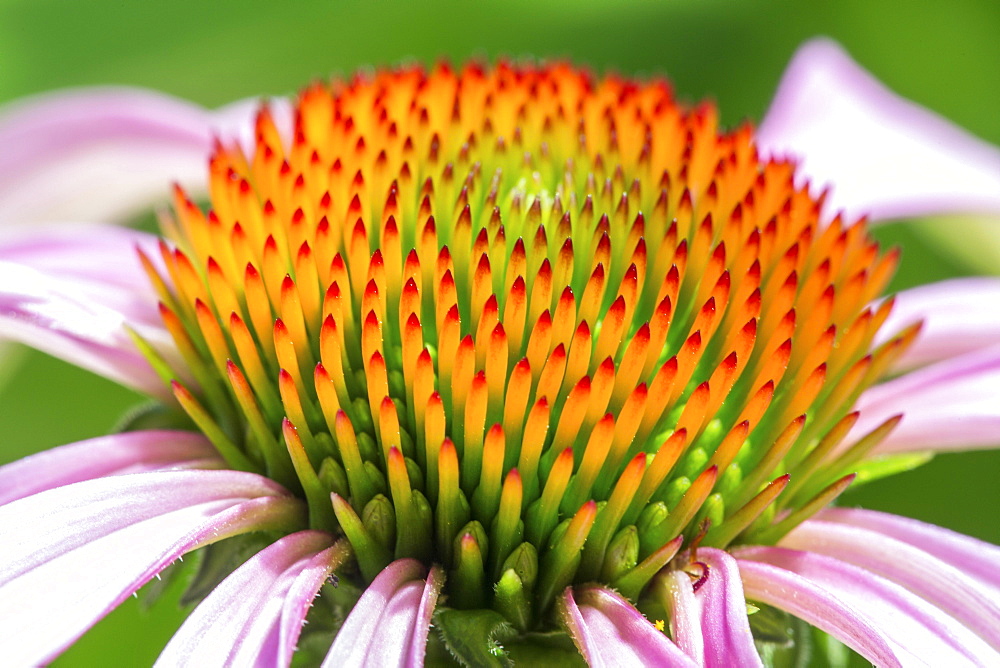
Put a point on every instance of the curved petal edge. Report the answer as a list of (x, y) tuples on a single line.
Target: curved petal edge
[(880, 155)]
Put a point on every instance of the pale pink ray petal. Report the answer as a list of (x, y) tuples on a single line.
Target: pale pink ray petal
[(880, 155), (361, 630), (404, 625), (428, 601), (96, 542), (795, 594), (401, 638), (950, 405), (115, 454), (608, 631), (977, 559), (105, 153), (395, 628), (938, 582), (300, 598), (70, 290), (959, 316), (64, 319), (96, 508), (104, 257), (908, 621), (685, 615), (710, 624), (724, 624), (241, 622)]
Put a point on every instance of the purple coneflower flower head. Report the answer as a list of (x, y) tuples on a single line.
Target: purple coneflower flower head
[(549, 362)]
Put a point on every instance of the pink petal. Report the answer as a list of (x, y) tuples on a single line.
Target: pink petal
[(117, 454), (71, 292), (882, 155), (255, 615), (428, 601), (685, 615), (395, 628), (795, 594), (90, 544), (362, 634), (402, 629), (300, 598), (608, 631), (105, 153), (101, 258), (911, 624), (975, 558), (950, 405), (959, 316), (936, 581), (55, 318), (724, 623), (711, 625)]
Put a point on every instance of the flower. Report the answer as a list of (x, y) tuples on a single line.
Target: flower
[(524, 353)]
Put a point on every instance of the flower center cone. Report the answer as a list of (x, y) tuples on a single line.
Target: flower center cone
[(532, 326)]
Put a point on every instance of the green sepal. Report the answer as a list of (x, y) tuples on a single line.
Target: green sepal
[(674, 491), (693, 464), (468, 577), (504, 542), (326, 444), (560, 564), (379, 519), (650, 520), (376, 477), (540, 522), (711, 435), (713, 511), (397, 387), (333, 477), (622, 554), (729, 480), (447, 520), (512, 601), (558, 533), (474, 637), (524, 561), (364, 427), (422, 516)]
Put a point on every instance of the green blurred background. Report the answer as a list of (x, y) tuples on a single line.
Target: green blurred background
[(944, 55)]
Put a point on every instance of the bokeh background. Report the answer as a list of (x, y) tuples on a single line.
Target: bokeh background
[(944, 55)]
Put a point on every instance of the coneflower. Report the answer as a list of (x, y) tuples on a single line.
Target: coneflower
[(512, 318), (526, 352)]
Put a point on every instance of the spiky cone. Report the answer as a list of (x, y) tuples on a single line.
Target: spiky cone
[(532, 326)]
